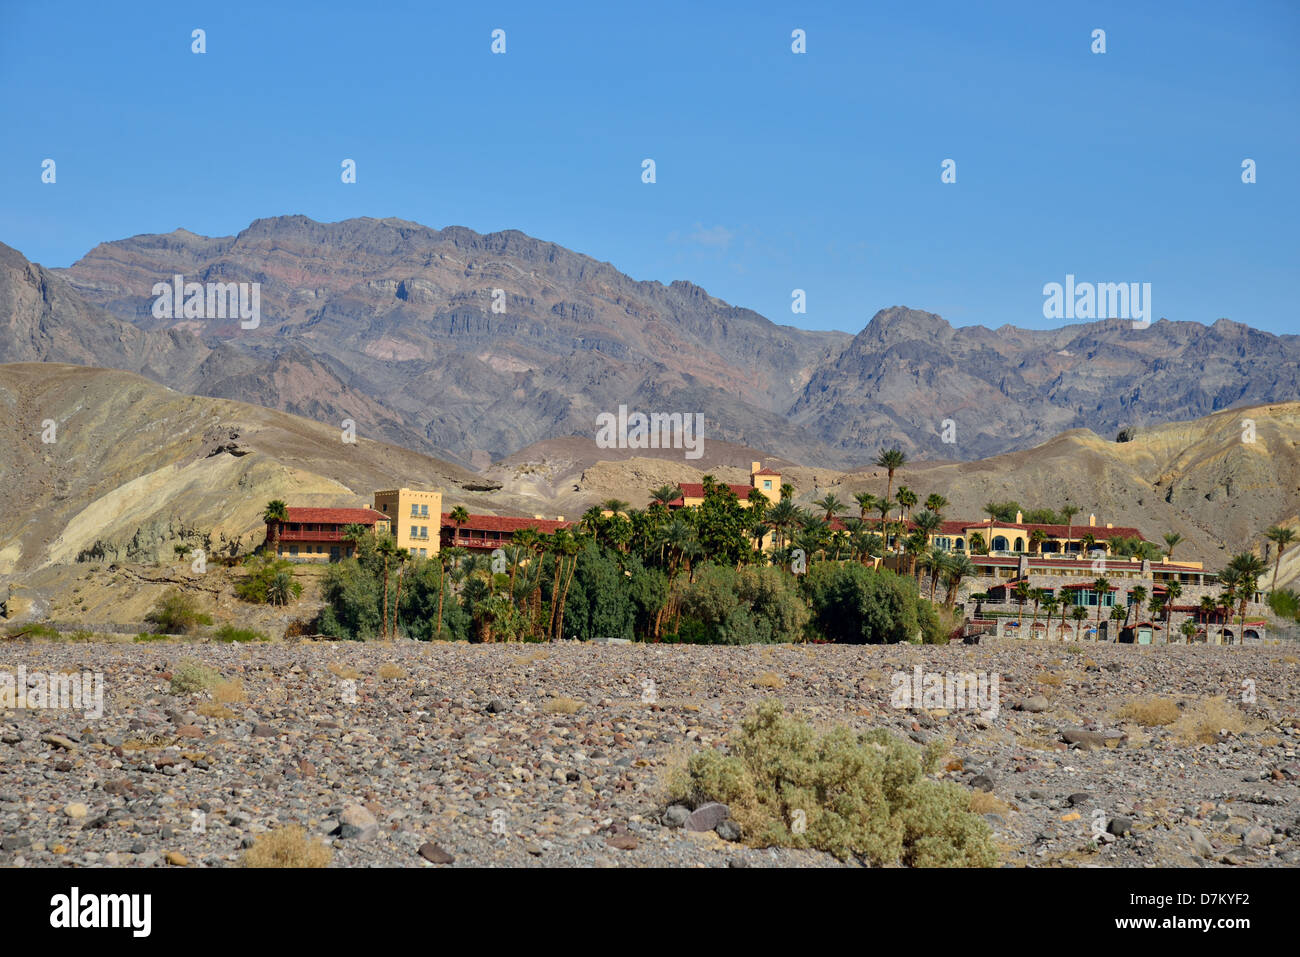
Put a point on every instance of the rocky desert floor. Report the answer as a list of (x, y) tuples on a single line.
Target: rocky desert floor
[(409, 754)]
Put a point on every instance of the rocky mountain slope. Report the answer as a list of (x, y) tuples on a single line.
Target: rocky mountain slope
[(392, 324), (135, 468)]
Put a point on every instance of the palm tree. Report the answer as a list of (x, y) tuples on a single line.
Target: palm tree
[(615, 505), (280, 589), (402, 555), (1280, 536), (1171, 539), (459, 516), (1138, 594), (1023, 593), (866, 504), (782, 517), (1208, 608), (928, 523), (1172, 591), (355, 533), (1079, 614), (1102, 587), (387, 548), (665, 494), (883, 506), (958, 567), (906, 499), (1248, 568), (891, 460), (934, 502), (1036, 539), (275, 514), (1116, 615), (1050, 604), (933, 562), (1037, 596), (787, 490), (831, 504), (1069, 511)]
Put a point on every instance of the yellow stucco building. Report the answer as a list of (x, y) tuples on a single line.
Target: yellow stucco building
[(416, 515)]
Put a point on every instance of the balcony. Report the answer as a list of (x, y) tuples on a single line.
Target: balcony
[(330, 535)]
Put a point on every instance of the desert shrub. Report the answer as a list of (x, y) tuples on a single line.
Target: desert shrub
[(286, 847), (563, 705), (177, 612), (769, 679), (343, 671), (191, 677), (390, 671), (229, 633), (1151, 711), (867, 796), (145, 636), (81, 635)]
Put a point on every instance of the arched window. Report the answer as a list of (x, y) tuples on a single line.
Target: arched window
[(961, 545), (1020, 544), (999, 543)]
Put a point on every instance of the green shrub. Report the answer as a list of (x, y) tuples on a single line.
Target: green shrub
[(81, 635), (1284, 603), (191, 677), (177, 612), (229, 633), (739, 607), (269, 581), (866, 796), (32, 631), (853, 604), (150, 636)]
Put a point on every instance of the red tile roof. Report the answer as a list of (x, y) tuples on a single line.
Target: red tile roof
[(1060, 531), (336, 516), (504, 523), (767, 471), (696, 490)]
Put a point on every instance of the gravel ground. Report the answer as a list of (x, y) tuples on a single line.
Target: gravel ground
[(450, 754)]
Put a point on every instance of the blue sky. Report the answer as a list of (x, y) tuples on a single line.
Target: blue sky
[(775, 171)]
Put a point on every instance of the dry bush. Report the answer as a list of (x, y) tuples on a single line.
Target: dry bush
[(985, 802), (563, 706), (228, 692), (190, 677), (1202, 721), (390, 671), (769, 679), (210, 709), (286, 847), (531, 659), (343, 671), (1150, 712)]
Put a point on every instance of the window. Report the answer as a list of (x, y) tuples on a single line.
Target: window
[(424, 511), (767, 484), (415, 511), (415, 531), (293, 550), (424, 531)]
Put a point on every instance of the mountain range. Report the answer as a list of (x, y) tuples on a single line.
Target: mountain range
[(392, 325)]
